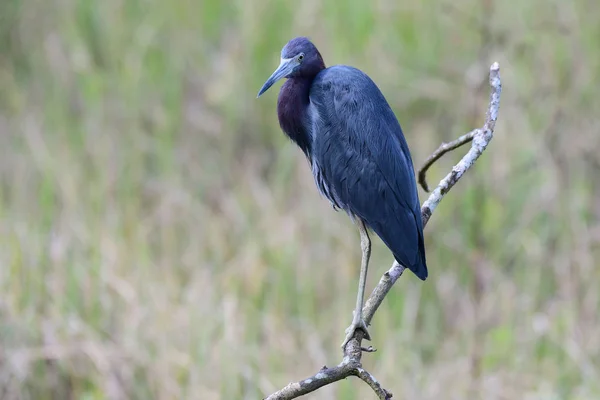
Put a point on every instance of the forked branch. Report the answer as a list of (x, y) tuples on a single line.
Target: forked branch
[(351, 362), (436, 155)]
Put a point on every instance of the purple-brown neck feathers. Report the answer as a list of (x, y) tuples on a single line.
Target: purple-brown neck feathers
[(292, 106), (293, 101)]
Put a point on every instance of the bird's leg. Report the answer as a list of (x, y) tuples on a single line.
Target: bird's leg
[(357, 321)]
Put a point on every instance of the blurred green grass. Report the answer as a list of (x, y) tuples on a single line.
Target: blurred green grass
[(160, 238)]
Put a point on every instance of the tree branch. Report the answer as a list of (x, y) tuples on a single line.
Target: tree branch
[(351, 363), (481, 139), (443, 149)]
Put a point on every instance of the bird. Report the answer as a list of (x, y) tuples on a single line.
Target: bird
[(357, 152)]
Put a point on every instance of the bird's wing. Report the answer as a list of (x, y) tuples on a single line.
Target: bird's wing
[(362, 163)]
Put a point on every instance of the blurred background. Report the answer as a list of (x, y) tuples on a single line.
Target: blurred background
[(160, 238)]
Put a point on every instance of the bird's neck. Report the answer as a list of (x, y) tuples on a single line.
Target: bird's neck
[(292, 110)]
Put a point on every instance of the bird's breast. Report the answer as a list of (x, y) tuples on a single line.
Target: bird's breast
[(292, 112)]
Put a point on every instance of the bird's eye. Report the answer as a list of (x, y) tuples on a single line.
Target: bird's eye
[(301, 57)]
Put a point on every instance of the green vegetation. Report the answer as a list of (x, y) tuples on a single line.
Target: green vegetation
[(161, 239)]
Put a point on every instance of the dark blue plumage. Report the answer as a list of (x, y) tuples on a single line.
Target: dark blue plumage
[(362, 155), (357, 151)]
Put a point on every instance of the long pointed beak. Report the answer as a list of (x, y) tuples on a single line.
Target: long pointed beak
[(285, 68)]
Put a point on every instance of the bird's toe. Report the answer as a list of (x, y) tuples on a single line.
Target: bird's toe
[(356, 324)]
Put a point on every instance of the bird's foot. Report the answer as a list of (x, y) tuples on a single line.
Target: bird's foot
[(357, 323)]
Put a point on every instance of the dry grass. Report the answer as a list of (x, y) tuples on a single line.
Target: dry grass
[(160, 238)]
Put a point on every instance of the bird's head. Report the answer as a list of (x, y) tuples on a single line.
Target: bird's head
[(299, 58)]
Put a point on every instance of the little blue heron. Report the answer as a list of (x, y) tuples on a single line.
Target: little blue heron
[(358, 155)]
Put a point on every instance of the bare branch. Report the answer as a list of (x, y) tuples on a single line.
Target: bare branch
[(324, 377), (443, 149), (371, 381), (351, 364), (481, 139)]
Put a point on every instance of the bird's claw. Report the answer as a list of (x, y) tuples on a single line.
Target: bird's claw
[(357, 323)]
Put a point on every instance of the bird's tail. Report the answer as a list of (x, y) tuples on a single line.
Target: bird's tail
[(420, 269)]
